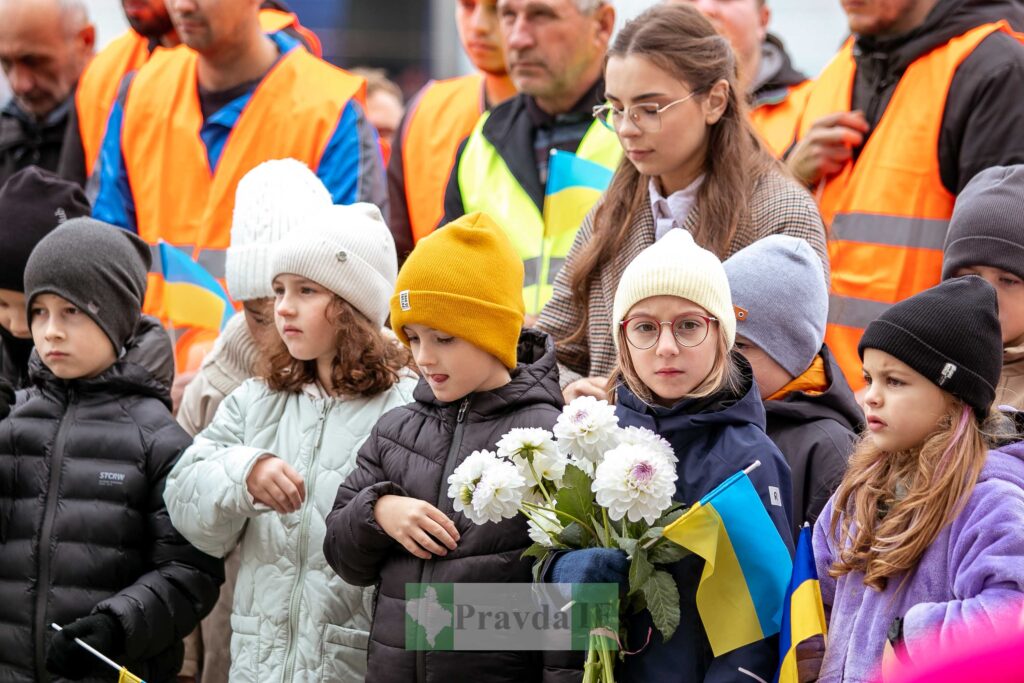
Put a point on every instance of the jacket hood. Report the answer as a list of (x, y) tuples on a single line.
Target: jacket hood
[(725, 408), (836, 403), (948, 19), (1005, 463), (145, 369), (534, 380), (776, 73)]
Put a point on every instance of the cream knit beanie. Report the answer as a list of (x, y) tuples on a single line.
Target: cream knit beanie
[(350, 251), (271, 200), (676, 266)]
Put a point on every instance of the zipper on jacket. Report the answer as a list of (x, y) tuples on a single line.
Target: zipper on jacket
[(295, 599), (45, 533), (427, 571)]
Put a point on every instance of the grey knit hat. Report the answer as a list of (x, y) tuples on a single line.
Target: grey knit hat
[(350, 251), (987, 227), (778, 288), (97, 267)]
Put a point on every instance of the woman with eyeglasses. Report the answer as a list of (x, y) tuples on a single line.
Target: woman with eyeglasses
[(692, 161), (675, 328)]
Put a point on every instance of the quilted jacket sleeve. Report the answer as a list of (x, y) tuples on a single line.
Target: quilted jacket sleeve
[(166, 603), (355, 545), (206, 493)]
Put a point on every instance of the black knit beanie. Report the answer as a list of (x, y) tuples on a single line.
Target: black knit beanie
[(950, 334), (97, 267), (987, 227), (32, 203)]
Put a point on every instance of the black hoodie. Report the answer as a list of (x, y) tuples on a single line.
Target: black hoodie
[(817, 434), (984, 115)]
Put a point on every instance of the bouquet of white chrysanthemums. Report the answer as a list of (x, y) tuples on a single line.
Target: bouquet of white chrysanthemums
[(590, 484)]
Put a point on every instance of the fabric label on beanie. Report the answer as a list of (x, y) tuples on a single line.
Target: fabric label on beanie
[(403, 300), (947, 373)]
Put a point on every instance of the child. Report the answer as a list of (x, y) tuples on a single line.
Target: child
[(272, 200), (393, 522), (926, 532), (812, 415), (264, 473), (986, 238), (677, 376), (33, 202), (85, 540)]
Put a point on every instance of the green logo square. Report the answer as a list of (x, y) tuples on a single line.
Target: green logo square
[(429, 616)]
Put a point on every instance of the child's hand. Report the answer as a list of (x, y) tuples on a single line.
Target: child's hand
[(415, 524), (274, 483), (809, 655)]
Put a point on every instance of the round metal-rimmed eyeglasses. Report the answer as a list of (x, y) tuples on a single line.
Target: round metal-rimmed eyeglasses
[(689, 330), (646, 116)]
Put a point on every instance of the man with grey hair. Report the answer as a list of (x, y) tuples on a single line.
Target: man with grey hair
[(44, 46), (555, 51)]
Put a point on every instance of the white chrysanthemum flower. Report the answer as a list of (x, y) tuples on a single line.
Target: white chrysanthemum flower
[(641, 436), (544, 527), (586, 429), (536, 447), (498, 495), (635, 482)]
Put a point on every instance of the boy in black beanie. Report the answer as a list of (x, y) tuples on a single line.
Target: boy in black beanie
[(986, 238), (85, 539), (32, 203)]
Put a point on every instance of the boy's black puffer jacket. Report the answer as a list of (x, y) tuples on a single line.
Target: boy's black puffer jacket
[(83, 528), (411, 452)]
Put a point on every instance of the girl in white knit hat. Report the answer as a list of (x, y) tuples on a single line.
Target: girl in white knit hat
[(264, 474), (678, 376)]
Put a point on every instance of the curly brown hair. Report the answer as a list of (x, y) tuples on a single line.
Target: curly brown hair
[(367, 362)]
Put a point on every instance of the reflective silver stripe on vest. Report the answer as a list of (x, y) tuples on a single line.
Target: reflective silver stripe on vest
[(554, 266), (214, 262), (892, 231), (853, 312), (531, 272)]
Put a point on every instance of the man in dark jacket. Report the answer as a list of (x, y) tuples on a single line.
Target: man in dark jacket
[(44, 46), (812, 416), (85, 539)]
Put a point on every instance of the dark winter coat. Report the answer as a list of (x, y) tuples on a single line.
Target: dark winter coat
[(14, 354), (714, 438), (83, 527), (411, 452), (817, 434)]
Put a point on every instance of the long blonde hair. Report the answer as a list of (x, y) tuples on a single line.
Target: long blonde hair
[(890, 507), (724, 374)]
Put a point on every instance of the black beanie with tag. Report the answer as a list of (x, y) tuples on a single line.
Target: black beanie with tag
[(951, 335), (99, 268), (32, 203)]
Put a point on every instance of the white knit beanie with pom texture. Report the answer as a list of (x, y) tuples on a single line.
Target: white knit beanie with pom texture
[(271, 200), (676, 266), (350, 251)]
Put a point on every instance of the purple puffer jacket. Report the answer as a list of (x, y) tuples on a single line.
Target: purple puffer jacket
[(970, 574)]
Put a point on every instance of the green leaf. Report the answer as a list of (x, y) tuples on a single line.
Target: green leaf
[(573, 536), (675, 512), (628, 545), (535, 550), (575, 497), (667, 552), (639, 570), (604, 539), (662, 596)]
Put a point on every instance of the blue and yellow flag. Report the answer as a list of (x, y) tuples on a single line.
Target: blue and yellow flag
[(126, 676), (191, 296), (574, 186), (803, 615), (746, 564)]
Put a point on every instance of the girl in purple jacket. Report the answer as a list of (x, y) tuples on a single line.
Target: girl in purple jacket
[(925, 536)]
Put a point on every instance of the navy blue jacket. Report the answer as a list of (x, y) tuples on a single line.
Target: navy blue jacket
[(713, 438)]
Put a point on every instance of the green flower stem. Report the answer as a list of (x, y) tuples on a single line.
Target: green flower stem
[(607, 668), (604, 519), (590, 669), (540, 482)]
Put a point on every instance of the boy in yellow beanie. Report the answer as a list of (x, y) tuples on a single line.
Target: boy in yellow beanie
[(458, 306)]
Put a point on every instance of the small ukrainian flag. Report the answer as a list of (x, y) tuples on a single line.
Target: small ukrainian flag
[(747, 565), (191, 296), (574, 186), (803, 615)]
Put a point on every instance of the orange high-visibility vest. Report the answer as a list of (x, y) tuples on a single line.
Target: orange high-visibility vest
[(887, 213), (442, 118), (101, 79), (777, 122), (292, 113)]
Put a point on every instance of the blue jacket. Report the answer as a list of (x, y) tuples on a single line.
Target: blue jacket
[(713, 438)]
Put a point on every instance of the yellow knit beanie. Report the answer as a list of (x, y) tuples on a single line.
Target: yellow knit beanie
[(465, 279)]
